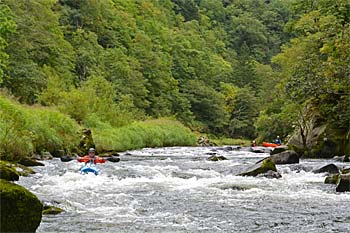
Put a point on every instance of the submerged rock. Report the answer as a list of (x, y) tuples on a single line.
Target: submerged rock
[(113, 159), (343, 184), (343, 158), (286, 157), (51, 210), (30, 162), (333, 179), (66, 158), (330, 168), (270, 174), (261, 167), (217, 158), (21, 210)]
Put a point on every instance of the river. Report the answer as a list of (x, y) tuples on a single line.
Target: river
[(178, 190)]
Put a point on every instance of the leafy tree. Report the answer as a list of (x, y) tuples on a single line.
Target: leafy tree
[(7, 26)]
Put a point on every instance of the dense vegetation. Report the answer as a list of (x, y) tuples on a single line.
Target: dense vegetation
[(234, 68)]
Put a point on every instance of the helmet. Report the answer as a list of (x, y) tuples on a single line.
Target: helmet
[(91, 150)]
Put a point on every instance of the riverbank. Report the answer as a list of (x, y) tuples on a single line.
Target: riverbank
[(29, 130)]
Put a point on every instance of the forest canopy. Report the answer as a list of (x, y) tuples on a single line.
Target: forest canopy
[(234, 68)]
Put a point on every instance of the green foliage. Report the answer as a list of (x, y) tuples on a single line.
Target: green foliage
[(24, 130), (113, 62), (7, 26), (152, 133)]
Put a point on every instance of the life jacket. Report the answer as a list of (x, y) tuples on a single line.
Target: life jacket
[(86, 158)]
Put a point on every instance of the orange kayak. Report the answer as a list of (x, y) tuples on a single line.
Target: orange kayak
[(87, 159), (269, 144)]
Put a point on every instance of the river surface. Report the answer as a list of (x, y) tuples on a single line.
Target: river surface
[(178, 190)]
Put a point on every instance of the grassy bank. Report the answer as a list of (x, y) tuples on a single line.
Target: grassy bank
[(25, 130), (152, 133), (230, 141)]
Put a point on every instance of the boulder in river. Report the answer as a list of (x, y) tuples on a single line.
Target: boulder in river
[(113, 159), (278, 149), (217, 158), (261, 167), (259, 149), (52, 210), (286, 157), (343, 158), (270, 174), (21, 210), (330, 169), (66, 158), (7, 172), (332, 179), (343, 184), (30, 162)]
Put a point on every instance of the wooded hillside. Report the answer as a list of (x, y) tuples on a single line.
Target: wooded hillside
[(234, 68)]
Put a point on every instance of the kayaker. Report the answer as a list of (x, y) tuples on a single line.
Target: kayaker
[(253, 144), (278, 140), (91, 156)]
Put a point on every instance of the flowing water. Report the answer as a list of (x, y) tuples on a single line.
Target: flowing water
[(178, 190)]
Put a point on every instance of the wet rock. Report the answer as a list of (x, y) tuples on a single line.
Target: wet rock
[(257, 150), (330, 168), (343, 158), (260, 149), (270, 174), (66, 158), (217, 158), (279, 149), (21, 211), (58, 153), (113, 159), (332, 179), (51, 210), (286, 157), (345, 170), (230, 148), (261, 167), (343, 184), (30, 162), (7, 172), (211, 153)]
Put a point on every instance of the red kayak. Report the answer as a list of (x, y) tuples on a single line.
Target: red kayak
[(87, 159), (269, 144)]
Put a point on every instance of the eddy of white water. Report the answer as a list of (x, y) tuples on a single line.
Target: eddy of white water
[(178, 190)]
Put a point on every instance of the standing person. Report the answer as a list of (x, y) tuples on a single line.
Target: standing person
[(278, 140)]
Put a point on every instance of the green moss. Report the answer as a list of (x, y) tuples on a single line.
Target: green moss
[(332, 179), (260, 168), (21, 210), (268, 164), (8, 172), (52, 210)]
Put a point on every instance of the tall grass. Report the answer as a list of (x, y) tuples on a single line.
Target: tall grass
[(25, 130), (151, 133)]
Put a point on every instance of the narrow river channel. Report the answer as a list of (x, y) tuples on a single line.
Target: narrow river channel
[(178, 190)]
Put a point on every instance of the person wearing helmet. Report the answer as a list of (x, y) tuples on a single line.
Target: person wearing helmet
[(91, 156), (278, 140)]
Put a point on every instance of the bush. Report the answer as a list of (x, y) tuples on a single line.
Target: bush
[(24, 130), (151, 133)]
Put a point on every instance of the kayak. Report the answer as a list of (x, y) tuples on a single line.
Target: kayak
[(89, 168), (269, 144), (87, 159)]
